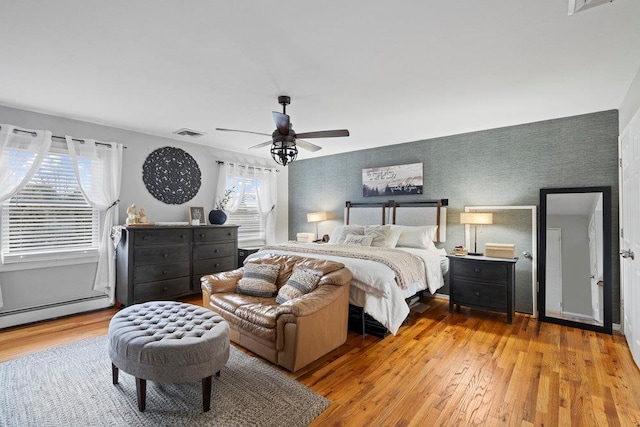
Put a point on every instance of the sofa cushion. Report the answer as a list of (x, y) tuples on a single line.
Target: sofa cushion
[(259, 314), (259, 280), (301, 282)]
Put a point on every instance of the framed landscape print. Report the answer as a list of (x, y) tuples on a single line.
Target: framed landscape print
[(392, 180)]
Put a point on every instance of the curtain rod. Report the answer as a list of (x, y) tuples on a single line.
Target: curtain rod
[(63, 138), (220, 162)]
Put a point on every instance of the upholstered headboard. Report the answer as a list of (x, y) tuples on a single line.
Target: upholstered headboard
[(429, 212)]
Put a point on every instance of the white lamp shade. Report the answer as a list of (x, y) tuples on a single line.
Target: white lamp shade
[(316, 216), (476, 218)]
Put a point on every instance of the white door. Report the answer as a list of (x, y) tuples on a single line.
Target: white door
[(553, 273), (630, 235)]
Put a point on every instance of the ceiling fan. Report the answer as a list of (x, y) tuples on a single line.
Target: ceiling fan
[(284, 140)]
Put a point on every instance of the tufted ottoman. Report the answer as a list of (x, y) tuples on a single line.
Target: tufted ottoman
[(168, 341)]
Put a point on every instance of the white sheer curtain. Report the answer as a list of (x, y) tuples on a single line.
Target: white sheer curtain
[(98, 168), (21, 154), (233, 175)]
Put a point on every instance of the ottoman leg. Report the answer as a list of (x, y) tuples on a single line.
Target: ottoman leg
[(114, 373), (141, 390), (206, 393)]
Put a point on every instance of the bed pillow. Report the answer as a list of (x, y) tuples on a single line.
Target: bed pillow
[(258, 280), (358, 240), (394, 236), (341, 232), (379, 234), (418, 236), (301, 282)]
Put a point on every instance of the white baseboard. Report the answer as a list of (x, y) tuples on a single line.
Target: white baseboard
[(53, 311)]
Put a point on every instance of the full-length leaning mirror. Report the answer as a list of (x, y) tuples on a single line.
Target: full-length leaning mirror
[(575, 257)]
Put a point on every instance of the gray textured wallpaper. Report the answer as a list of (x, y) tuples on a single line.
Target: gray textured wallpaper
[(505, 166)]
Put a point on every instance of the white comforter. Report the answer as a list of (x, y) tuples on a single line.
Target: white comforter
[(374, 286)]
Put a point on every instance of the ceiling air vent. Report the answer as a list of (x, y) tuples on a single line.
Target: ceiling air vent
[(189, 132), (579, 5)]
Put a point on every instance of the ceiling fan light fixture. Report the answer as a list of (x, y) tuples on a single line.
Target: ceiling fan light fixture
[(284, 152)]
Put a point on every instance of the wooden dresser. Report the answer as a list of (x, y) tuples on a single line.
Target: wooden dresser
[(482, 283), (162, 263)]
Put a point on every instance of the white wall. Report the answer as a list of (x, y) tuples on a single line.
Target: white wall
[(52, 284), (631, 103)]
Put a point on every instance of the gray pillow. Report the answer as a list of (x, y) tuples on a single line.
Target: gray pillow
[(259, 280), (301, 282)]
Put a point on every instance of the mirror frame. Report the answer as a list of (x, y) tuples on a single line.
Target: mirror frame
[(607, 326)]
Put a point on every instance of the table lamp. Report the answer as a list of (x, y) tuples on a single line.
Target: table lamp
[(476, 219), (316, 217)]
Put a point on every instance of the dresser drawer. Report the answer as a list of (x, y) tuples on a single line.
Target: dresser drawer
[(156, 237), (214, 265), (214, 251), (481, 271), (150, 273), (162, 290), (159, 254), (214, 234), (492, 297)]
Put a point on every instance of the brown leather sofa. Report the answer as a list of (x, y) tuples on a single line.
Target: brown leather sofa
[(294, 333)]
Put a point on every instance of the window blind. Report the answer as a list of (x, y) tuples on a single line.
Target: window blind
[(49, 215), (252, 229)]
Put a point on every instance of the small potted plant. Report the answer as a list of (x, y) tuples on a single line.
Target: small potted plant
[(217, 215)]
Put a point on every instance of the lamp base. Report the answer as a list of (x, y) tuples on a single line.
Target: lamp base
[(475, 253)]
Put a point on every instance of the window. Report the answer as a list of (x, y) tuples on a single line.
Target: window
[(252, 231), (49, 217)]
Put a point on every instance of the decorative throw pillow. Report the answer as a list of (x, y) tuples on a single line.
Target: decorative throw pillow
[(259, 280), (301, 282), (340, 234), (354, 239), (379, 233)]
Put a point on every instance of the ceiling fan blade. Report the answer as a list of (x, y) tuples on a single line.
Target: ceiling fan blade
[(324, 134), (307, 145), (243, 131), (264, 144), (282, 122)]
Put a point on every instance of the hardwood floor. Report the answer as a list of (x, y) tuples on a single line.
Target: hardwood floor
[(465, 368)]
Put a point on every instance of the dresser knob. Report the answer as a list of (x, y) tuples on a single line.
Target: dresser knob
[(217, 265), (165, 289), (477, 269), (216, 251), (201, 235), (182, 236), (165, 255), (477, 294), (145, 237), (165, 272)]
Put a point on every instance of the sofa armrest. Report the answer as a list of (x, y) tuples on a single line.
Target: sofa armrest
[(221, 282), (329, 289)]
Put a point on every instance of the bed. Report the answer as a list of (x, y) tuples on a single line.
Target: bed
[(389, 247)]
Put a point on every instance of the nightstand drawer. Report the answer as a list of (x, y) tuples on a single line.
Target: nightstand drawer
[(491, 297), (483, 271)]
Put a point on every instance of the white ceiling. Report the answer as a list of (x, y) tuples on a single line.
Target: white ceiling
[(390, 72)]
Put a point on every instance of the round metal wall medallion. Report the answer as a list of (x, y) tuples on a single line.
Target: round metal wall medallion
[(171, 175)]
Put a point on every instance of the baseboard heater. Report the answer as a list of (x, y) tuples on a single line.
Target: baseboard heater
[(54, 310)]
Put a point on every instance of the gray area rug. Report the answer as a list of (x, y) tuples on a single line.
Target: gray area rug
[(71, 386)]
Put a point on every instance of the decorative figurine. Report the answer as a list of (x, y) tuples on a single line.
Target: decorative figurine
[(132, 216)]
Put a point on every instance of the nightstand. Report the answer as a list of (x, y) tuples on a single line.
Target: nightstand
[(482, 283)]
